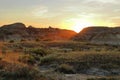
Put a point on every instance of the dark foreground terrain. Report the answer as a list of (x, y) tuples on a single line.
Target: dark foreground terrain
[(59, 60)]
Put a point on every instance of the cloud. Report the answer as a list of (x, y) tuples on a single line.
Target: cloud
[(40, 11), (43, 12), (105, 1), (59, 10)]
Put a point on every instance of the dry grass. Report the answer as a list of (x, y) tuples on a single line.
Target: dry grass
[(9, 55), (12, 58), (83, 55), (84, 61)]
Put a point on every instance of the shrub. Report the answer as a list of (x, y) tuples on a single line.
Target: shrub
[(22, 40), (27, 59), (65, 68), (109, 66), (37, 40), (23, 73), (49, 59), (38, 52), (11, 41), (10, 71), (102, 79)]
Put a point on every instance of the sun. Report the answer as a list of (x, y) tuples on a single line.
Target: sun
[(80, 24)]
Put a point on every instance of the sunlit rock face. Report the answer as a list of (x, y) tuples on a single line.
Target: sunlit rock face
[(99, 35), (14, 26), (18, 32)]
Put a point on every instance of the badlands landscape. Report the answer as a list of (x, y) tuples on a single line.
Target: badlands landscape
[(29, 53)]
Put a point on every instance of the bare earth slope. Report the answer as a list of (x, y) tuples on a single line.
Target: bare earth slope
[(100, 35), (18, 31)]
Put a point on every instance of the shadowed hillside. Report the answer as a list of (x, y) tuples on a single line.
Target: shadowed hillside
[(18, 32), (48, 34), (100, 35)]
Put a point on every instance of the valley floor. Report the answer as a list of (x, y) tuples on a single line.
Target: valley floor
[(60, 60)]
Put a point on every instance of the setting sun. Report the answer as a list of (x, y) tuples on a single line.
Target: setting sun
[(80, 24)]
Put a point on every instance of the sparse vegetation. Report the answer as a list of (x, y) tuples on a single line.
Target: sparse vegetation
[(103, 79), (49, 59), (65, 68), (37, 40), (10, 71), (81, 58), (11, 41), (22, 40), (17, 72), (37, 53), (40, 52), (3, 50), (29, 59), (85, 61)]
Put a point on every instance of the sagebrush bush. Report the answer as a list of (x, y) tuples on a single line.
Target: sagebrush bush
[(17, 72), (49, 59), (65, 68), (38, 51), (12, 71), (36, 54)]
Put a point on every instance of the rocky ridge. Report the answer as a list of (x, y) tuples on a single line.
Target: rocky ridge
[(18, 31), (99, 35)]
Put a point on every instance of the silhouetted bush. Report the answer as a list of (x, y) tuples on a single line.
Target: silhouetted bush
[(11, 41)]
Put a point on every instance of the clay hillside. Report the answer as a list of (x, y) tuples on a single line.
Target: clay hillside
[(18, 31), (99, 34)]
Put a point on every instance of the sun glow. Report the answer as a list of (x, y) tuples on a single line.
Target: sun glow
[(80, 24)]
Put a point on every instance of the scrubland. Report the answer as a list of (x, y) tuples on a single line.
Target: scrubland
[(59, 60)]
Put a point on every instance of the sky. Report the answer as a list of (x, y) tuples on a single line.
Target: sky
[(67, 14)]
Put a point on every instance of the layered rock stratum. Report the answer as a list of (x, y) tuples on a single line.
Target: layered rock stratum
[(100, 35), (18, 31)]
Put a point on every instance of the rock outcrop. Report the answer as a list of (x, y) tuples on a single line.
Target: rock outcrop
[(18, 31), (99, 35), (50, 33)]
